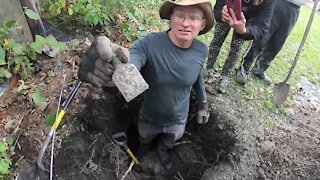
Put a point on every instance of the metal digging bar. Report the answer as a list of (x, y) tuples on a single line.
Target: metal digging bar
[(56, 124)]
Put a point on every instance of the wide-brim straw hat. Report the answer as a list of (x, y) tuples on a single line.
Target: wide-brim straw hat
[(166, 10)]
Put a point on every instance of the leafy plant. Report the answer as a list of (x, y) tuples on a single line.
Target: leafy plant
[(60, 6), (75, 42), (15, 57), (31, 14), (90, 12), (139, 19), (5, 161), (51, 118), (95, 13), (40, 99), (40, 41), (18, 57)]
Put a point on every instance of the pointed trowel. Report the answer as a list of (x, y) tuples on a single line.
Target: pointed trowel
[(127, 78)]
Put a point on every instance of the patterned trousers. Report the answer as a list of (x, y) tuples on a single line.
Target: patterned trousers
[(220, 33)]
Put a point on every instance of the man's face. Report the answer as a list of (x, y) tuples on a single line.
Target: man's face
[(187, 22)]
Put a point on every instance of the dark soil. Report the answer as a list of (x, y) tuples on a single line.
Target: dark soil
[(100, 118)]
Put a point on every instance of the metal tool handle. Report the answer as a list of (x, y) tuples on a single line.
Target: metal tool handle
[(55, 125), (132, 156), (73, 93), (121, 140), (47, 140), (116, 137), (303, 40), (42, 151)]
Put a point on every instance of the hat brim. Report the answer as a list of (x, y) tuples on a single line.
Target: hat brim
[(167, 7)]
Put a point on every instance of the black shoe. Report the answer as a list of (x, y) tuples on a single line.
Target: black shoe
[(165, 158), (242, 78), (222, 85), (263, 76)]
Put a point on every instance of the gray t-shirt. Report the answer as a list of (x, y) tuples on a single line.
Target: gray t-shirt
[(170, 72)]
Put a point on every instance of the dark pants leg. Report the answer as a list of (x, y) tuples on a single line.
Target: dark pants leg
[(233, 56), (147, 131), (169, 134), (263, 51), (252, 52), (282, 22), (220, 33)]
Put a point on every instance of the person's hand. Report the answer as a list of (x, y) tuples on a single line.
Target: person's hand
[(228, 16), (203, 112), (96, 66)]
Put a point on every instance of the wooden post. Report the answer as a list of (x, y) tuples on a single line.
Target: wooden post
[(12, 10), (36, 26)]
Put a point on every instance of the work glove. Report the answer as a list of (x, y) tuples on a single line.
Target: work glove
[(203, 112), (97, 64)]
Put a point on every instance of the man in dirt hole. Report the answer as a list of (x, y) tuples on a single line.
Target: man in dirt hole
[(171, 62)]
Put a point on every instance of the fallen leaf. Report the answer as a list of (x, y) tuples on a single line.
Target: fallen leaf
[(10, 140), (13, 81), (10, 125), (3, 148), (51, 118), (51, 73), (3, 115), (87, 42), (40, 99)]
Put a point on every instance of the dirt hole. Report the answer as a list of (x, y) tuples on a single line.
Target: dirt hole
[(89, 153)]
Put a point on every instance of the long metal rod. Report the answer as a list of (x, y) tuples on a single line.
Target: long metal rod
[(305, 35), (54, 133), (55, 125)]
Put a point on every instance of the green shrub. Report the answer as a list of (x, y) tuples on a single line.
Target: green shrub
[(89, 12), (15, 57), (5, 160), (18, 57)]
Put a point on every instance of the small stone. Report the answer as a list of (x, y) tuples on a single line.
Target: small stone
[(262, 174), (290, 112), (51, 51), (10, 125), (268, 147)]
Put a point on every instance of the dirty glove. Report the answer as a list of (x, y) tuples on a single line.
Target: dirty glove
[(96, 66), (203, 112)]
